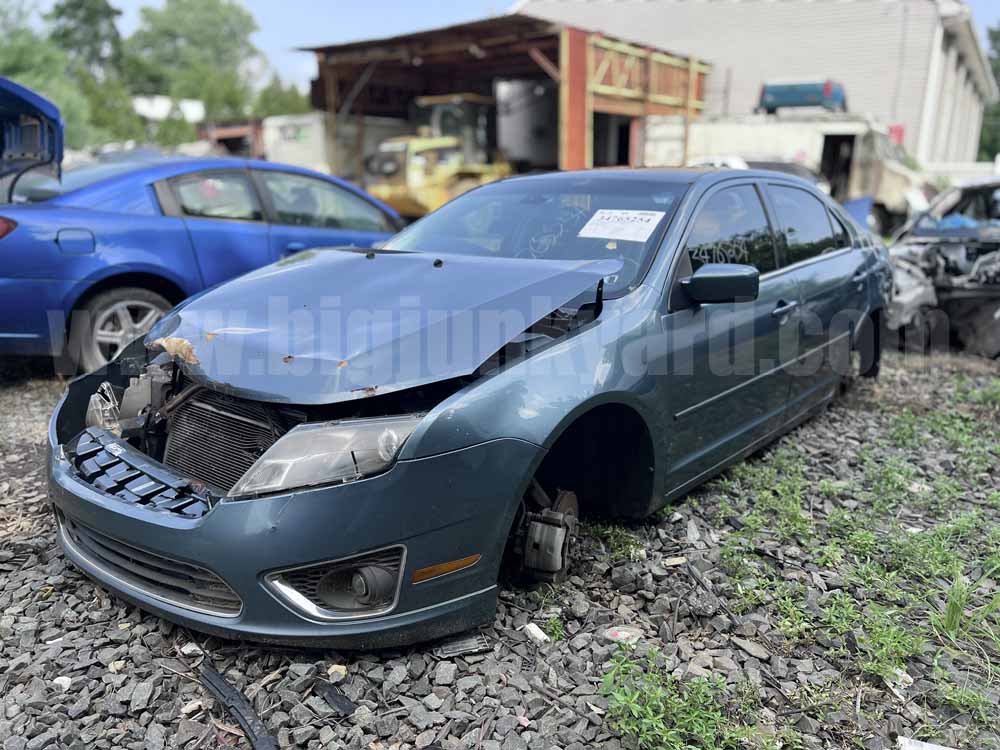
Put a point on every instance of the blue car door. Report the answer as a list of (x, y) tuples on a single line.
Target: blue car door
[(311, 212), (225, 220)]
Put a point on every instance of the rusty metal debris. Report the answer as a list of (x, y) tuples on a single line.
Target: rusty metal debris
[(462, 645), (177, 347), (946, 272), (238, 707)]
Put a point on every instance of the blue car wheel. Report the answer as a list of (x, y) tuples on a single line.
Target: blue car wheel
[(111, 321)]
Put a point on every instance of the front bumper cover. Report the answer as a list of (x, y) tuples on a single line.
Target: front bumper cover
[(439, 508)]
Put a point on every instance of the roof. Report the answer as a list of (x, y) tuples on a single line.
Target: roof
[(669, 175), (461, 34), (957, 18)]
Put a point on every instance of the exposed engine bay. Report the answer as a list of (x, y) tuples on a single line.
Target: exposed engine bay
[(212, 439), (946, 272)]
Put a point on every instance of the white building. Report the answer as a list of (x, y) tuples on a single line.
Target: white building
[(912, 63)]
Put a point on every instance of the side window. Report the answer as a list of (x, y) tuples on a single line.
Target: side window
[(805, 222), (305, 201), (732, 228), (217, 195), (842, 237)]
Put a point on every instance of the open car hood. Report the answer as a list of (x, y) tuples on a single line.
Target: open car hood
[(32, 130), (332, 325)]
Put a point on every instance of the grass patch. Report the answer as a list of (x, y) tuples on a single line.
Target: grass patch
[(886, 644), (554, 628), (617, 540), (654, 711)]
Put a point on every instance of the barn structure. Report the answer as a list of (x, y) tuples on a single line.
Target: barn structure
[(578, 96)]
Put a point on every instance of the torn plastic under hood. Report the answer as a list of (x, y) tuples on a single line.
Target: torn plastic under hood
[(332, 325), (32, 130)]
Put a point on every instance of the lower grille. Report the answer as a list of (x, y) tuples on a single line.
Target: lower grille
[(179, 583), (217, 438)]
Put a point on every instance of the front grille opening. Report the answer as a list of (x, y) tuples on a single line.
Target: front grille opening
[(216, 438), (363, 585), (186, 585)]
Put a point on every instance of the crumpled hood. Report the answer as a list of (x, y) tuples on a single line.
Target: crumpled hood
[(331, 325)]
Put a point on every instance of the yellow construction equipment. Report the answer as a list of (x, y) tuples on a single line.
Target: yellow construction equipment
[(453, 151)]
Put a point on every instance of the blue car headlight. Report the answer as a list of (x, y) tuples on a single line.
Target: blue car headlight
[(319, 453)]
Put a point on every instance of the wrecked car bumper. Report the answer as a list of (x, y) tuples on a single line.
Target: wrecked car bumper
[(216, 573)]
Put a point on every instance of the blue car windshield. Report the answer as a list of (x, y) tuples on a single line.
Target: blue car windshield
[(562, 217)]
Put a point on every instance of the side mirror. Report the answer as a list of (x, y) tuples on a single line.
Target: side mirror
[(722, 282)]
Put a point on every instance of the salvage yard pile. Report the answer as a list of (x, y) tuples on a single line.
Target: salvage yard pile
[(838, 590)]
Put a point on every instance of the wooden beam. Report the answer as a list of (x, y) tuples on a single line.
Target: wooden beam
[(550, 68), (329, 74), (574, 111)]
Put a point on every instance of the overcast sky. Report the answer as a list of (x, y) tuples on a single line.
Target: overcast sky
[(287, 24)]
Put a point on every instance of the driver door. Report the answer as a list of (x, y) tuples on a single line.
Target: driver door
[(724, 381)]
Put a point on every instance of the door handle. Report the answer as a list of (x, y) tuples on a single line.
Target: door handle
[(859, 277), (783, 309), (294, 247)]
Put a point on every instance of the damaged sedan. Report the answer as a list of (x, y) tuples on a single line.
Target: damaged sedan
[(352, 447), (946, 273)]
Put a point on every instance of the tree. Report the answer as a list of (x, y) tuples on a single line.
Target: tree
[(989, 139), (277, 99), (86, 31), (37, 63), (194, 49)]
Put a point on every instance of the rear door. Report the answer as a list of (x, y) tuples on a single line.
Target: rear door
[(725, 382), (224, 218), (817, 251), (310, 212)]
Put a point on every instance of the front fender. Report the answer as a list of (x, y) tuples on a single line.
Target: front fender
[(535, 399)]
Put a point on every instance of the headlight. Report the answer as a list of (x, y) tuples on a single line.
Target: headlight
[(328, 452)]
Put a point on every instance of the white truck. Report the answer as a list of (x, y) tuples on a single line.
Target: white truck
[(303, 140), (852, 152)]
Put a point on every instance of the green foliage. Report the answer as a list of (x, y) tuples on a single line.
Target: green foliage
[(196, 49), (841, 612), (886, 643), (277, 99), (989, 138), (554, 629), (654, 711), (85, 30), (112, 117), (619, 542), (33, 61)]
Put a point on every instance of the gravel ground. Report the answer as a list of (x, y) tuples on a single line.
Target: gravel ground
[(835, 591)]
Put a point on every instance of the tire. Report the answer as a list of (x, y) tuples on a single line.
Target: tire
[(99, 330)]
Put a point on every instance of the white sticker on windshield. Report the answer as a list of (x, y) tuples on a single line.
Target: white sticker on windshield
[(614, 224)]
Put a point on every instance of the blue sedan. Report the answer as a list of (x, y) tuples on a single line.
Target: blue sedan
[(93, 260)]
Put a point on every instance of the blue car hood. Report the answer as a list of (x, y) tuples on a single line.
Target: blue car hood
[(32, 130), (332, 325)]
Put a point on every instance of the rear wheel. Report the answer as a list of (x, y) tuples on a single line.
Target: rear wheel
[(111, 321)]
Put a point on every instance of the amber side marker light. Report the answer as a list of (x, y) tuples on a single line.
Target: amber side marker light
[(435, 571)]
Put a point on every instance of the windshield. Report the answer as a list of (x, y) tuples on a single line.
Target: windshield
[(35, 187), (963, 208), (590, 217)]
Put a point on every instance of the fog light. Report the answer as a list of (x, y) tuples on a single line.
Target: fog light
[(360, 586)]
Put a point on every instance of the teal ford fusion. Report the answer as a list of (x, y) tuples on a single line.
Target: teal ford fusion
[(349, 447)]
